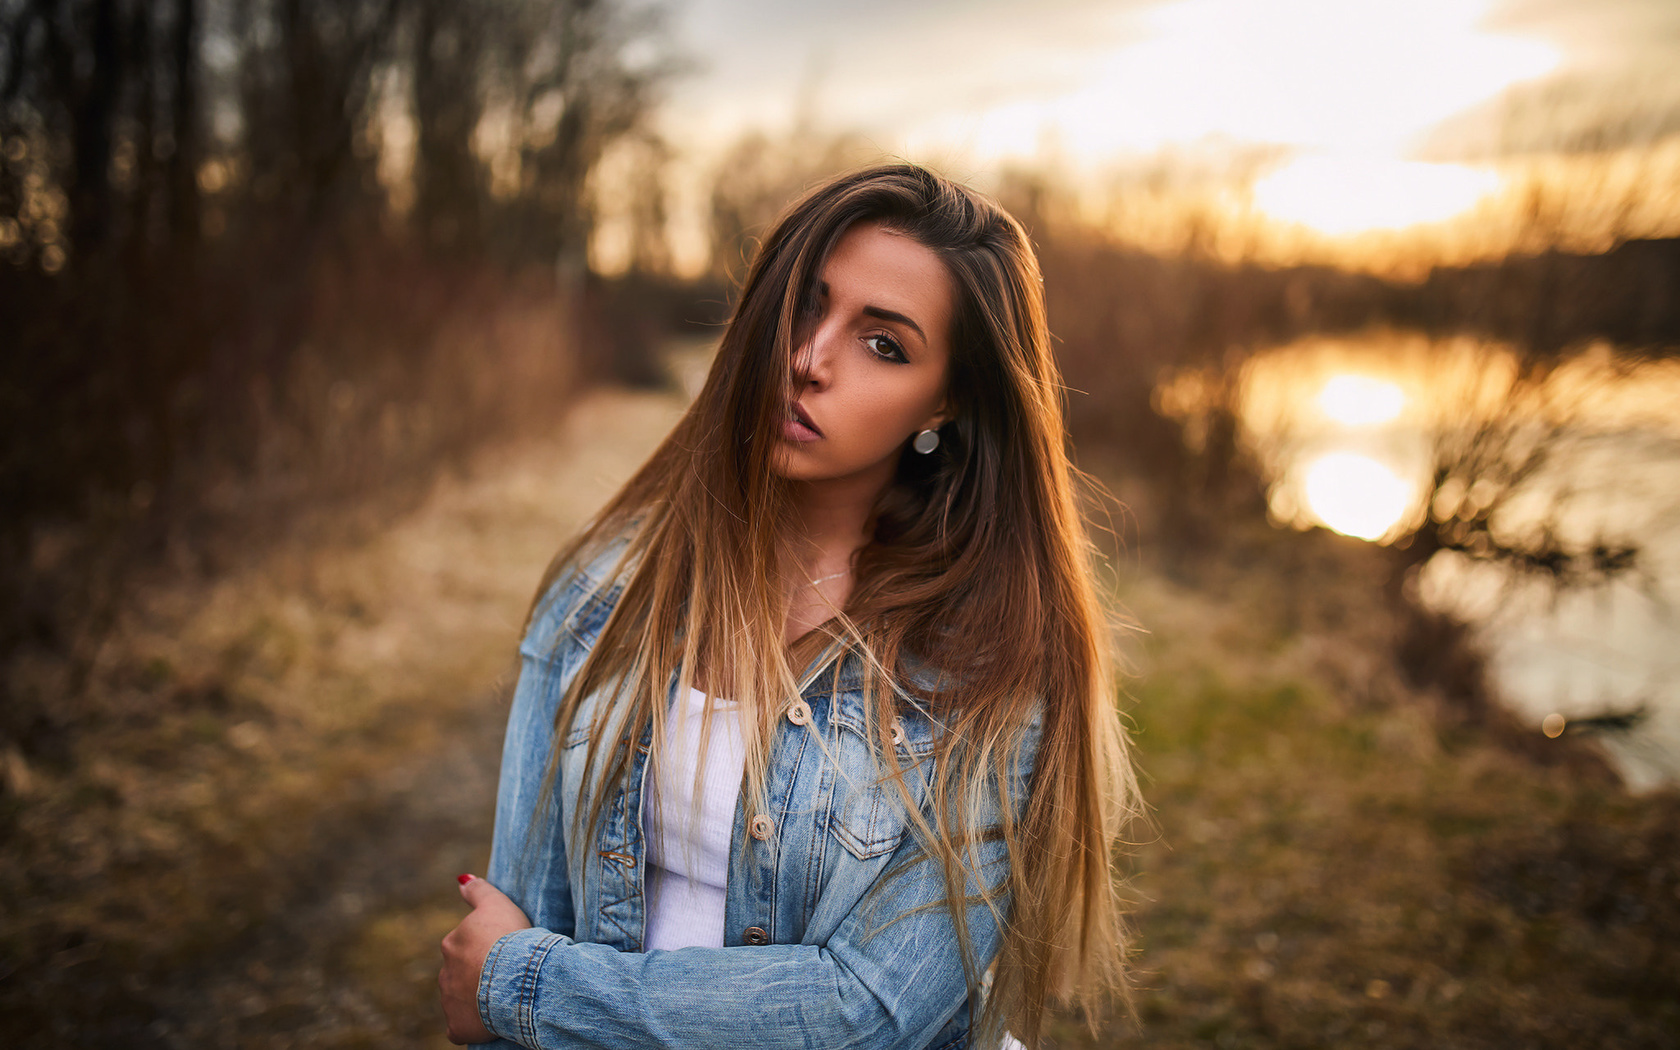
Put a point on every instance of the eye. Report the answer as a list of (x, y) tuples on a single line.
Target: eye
[(885, 347)]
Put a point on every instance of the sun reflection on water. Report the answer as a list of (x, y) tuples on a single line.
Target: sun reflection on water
[(1347, 429), (1356, 495)]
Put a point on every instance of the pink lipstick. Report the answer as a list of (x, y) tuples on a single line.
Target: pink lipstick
[(799, 426)]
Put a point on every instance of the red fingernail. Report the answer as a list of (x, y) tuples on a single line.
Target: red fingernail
[(463, 879)]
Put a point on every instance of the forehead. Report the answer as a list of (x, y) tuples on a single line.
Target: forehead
[(891, 270)]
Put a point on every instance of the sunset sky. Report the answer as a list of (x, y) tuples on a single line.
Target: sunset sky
[(980, 80), (1371, 115)]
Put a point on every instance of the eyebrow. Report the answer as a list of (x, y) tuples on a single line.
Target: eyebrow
[(893, 315), (883, 313)]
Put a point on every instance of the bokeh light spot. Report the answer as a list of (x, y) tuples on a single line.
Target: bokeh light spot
[(1356, 495), (1355, 400)]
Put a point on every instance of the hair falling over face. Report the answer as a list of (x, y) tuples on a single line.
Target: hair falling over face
[(979, 568)]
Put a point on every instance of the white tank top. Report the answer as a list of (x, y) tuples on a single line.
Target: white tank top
[(688, 866)]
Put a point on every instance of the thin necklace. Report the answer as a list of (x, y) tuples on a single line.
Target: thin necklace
[(830, 576)]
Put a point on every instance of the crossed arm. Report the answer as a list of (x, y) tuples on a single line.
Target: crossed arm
[(869, 985)]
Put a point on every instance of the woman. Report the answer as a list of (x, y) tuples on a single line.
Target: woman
[(830, 662)]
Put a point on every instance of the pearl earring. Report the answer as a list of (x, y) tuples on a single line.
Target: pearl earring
[(926, 441)]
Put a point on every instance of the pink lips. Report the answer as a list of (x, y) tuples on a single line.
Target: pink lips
[(800, 427)]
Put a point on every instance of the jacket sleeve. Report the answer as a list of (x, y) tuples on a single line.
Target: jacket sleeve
[(528, 859), (891, 975), (528, 847)]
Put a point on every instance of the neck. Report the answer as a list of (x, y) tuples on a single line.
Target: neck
[(830, 521)]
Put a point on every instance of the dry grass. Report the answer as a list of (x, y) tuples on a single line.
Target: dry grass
[(1332, 870)]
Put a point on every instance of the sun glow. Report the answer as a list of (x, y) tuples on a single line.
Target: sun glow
[(1348, 195), (1356, 495), (1362, 78), (1358, 401)]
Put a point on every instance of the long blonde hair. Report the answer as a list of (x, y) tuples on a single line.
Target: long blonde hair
[(979, 568)]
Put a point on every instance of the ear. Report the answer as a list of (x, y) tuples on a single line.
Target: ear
[(944, 413)]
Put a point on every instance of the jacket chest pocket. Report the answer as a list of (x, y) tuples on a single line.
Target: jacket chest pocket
[(869, 816)]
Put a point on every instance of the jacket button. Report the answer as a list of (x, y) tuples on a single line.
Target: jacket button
[(761, 827), (897, 733), (755, 935), (800, 713)]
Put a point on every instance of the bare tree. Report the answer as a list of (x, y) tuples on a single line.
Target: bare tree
[(195, 272), (573, 91), (307, 73), (448, 85)]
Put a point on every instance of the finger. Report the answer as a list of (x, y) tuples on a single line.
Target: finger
[(467, 882), (477, 892)]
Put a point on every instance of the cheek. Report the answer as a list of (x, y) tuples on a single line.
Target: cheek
[(892, 415), (901, 413)]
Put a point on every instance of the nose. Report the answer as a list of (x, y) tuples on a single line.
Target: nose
[(811, 360)]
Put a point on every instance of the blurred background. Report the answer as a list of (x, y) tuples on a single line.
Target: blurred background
[(324, 323)]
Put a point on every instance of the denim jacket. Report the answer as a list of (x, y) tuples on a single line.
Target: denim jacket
[(810, 959)]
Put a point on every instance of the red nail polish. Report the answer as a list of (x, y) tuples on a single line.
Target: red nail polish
[(463, 879)]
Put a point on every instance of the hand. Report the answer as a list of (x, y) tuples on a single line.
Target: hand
[(464, 950)]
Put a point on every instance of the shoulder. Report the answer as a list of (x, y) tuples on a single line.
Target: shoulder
[(576, 604)]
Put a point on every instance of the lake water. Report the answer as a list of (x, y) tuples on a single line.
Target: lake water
[(1350, 430)]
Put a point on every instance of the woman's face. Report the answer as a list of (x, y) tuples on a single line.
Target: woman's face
[(871, 359)]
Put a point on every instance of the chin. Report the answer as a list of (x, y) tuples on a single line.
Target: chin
[(786, 465), (791, 467)]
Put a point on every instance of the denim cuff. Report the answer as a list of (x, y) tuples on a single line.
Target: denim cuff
[(507, 986)]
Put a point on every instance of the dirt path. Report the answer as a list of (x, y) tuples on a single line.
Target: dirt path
[(350, 960), (271, 862)]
